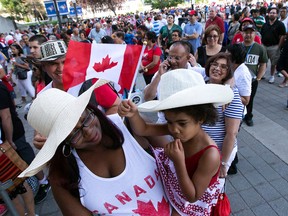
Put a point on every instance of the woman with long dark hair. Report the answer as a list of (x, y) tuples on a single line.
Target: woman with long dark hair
[(95, 164)]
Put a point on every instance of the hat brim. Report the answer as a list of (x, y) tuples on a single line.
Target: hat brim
[(52, 58), (245, 29), (202, 94), (66, 121)]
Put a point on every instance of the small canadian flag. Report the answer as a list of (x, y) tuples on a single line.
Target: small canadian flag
[(114, 62)]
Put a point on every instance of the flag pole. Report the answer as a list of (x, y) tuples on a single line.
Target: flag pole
[(137, 69)]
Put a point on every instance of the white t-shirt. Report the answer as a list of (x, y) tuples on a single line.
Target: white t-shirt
[(243, 80), (285, 22)]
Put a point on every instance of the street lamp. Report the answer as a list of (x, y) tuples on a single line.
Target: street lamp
[(57, 13), (74, 5)]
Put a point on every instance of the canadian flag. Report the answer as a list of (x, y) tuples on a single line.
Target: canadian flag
[(114, 62)]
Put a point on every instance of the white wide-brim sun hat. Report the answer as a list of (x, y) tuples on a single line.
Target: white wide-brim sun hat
[(185, 87), (54, 114)]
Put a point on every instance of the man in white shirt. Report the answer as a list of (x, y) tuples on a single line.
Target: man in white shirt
[(97, 33), (283, 17)]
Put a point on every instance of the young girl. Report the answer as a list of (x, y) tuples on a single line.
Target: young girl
[(189, 165)]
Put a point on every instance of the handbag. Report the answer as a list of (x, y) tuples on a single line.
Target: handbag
[(22, 74), (11, 165), (222, 207)]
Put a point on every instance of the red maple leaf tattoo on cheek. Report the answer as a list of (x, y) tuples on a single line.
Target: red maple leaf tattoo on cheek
[(104, 65)]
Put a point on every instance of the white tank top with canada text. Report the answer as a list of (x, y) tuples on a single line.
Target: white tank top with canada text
[(136, 191)]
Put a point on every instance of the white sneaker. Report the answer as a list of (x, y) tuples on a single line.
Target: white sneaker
[(271, 79), (279, 74)]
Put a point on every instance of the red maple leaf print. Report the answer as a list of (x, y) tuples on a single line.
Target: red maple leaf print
[(148, 208), (104, 65)]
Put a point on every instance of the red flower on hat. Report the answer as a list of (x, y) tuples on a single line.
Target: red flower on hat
[(104, 65)]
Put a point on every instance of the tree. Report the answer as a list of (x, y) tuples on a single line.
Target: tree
[(102, 4), (21, 9), (17, 9), (156, 4)]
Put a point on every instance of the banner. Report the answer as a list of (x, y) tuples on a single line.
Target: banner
[(62, 7), (79, 11), (50, 8)]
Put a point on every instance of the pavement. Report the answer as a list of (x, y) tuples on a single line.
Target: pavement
[(260, 188)]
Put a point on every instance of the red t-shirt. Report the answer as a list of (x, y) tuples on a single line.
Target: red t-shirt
[(87, 31), (216, 21), (39, 86), (147, 58), (238, 38), (7, 84)]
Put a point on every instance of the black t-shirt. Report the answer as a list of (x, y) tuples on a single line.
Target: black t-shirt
[(202, 55), (271, 33), (6, 102)]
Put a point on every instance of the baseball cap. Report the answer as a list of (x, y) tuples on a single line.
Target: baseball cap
[(247, 19), (192, 12), (10, 42), (250, 26)]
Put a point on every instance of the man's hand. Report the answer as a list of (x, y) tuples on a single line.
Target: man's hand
[(164, 66), (192, 60)]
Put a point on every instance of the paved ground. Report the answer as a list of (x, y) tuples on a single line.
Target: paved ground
[(261, 185)]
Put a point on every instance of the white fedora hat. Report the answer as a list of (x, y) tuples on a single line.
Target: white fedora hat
[(184, 87), (54, 114), (52, 50)]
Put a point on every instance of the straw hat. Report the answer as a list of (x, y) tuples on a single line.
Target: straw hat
[(52, 50), (184, 87), (54, 114)]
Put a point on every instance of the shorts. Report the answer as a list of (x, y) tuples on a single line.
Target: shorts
[(273, 53)]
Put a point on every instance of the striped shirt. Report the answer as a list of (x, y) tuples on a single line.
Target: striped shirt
[(157, 26), (235, 110)]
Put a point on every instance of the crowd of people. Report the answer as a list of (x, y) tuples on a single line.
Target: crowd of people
[(187, 66)]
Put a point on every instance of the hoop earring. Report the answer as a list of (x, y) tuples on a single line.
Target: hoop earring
[(64, 151)]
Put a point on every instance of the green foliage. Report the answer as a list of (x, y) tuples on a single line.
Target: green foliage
[(22, 9), (159, 4), (104, 4), (17, 9)]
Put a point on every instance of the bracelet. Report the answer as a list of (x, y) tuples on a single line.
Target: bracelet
[(224, 163)]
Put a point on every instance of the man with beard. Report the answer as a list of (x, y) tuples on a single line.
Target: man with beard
[(273, 36), (256, 59)]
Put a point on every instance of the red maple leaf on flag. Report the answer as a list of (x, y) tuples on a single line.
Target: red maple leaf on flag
[(149, 209), (104, 65)]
